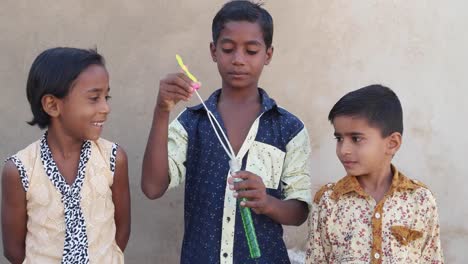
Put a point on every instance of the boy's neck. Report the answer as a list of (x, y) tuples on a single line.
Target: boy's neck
[(246, 95), (62, 144), (377, 183)]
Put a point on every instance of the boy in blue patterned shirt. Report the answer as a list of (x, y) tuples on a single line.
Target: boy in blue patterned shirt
[(271, 144)]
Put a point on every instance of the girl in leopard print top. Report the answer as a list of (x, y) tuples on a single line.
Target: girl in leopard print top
[(66, 197)]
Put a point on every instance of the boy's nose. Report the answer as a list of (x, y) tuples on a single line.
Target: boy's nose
[(238, 58), (345, 148)]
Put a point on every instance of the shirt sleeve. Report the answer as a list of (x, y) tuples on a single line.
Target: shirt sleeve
[(432, 249), (177, 153), (296, 169), (318, 245)]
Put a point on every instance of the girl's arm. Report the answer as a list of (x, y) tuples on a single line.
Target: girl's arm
[(121, 198), (14, 215)]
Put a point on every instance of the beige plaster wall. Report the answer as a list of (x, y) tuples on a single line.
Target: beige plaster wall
[(322, 50)]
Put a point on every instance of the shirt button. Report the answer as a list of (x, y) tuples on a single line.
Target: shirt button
[(377, 215), (225, 255), (376, 255)]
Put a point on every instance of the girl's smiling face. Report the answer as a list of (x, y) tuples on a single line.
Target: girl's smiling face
[(83, 112)]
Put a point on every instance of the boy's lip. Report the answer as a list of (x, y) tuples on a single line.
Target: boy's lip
[(237, 73)]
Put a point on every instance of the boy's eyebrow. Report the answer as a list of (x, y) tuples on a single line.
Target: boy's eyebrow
[(250, 42), (349, 134), (253, 42), (226, 40)]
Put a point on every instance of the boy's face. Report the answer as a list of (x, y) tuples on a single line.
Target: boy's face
[(84, 110), (240, 53), (361, 148)]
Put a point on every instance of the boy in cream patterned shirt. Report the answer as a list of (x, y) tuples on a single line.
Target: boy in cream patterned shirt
[(375, 214)]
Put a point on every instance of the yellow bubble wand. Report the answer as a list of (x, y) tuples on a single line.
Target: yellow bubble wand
[(246, 215)]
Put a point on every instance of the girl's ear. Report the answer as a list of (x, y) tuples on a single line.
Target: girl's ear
[(51, 105), (213, 51), (393, 143), (269, 55)]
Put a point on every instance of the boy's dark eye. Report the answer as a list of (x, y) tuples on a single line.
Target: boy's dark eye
[(227, 50), (252, 52), (108, 97), (94, 99), (357, 139), (339, 139)]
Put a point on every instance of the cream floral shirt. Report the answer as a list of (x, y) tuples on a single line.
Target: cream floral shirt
[(348, 226)]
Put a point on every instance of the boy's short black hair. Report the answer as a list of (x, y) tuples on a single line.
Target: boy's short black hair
[(53, 72), (376, 103), (242, 10)]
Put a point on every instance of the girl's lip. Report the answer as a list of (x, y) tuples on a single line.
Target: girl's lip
[(98, 124)]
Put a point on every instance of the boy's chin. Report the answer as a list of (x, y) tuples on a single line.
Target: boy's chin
[(354, 171), (240, 84)]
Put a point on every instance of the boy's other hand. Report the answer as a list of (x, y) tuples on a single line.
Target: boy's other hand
[(174, 88), (253, 189)]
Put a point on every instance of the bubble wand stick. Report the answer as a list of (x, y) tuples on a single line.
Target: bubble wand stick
[(234, 165)]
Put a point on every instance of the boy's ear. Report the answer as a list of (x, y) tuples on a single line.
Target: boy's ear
[(393, 143), (51, 105), (269, 55), (213, 51)]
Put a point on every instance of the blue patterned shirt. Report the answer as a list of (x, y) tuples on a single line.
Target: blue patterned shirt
[(276, 149)]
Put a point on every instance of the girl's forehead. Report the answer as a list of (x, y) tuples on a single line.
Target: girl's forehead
[(95, 77)]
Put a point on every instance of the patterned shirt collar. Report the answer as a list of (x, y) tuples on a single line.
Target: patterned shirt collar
[(350, 184), (212, 102)]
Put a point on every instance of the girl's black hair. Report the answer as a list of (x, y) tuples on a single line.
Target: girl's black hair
[(53, 72)]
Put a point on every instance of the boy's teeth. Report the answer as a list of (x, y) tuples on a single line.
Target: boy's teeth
[(98, 124)]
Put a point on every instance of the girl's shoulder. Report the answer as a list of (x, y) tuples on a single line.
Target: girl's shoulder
[(108, 150), (24, 162)]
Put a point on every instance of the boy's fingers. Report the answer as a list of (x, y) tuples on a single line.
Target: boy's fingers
[(239, 185), (246, 185), (187, 80), (251, 204), (176, 90), (176, 97), (249, 194), (244, 175), (180, 82)]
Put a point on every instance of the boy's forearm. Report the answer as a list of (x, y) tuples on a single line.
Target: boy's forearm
[(155, 176), (287, 212)]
